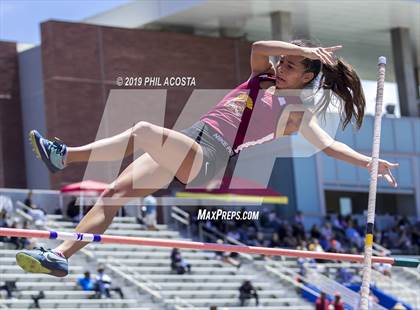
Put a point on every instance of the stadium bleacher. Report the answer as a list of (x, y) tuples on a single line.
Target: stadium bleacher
[(148, 282)]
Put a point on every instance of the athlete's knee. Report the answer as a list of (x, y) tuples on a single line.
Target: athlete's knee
[(111, 201), (116, 192), (143, 128)]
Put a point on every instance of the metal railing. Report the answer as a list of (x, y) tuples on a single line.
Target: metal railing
[(137, 275), (331, 287), (378, 278), (412, 272), (292, 280), (214, 235), (181, 217), (181, 304), (379, 250), (129, 278)]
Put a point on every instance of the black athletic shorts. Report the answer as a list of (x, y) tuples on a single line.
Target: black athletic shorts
[(216, 152)]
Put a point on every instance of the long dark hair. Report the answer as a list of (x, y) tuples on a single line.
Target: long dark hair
[(342, 80)]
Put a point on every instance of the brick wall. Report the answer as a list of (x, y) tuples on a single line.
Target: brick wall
[(12, 164)]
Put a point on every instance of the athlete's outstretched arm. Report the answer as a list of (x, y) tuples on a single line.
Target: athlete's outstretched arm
[(312, 132), (261, 50)]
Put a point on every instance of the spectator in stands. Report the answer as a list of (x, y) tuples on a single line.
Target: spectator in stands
[(322, 303), (299, 229), (243, 232), (73, 211), (402, 221), (290, 241), (86, 282), (9, 287), (259, 240), (3, 219), (231, 258), (335, 246), (27, 243), (58, 211), (390, 237), (273, 221), (337, 235), (103, 284), (353, 235), (28, 200), (281, 231), (17, 241), (344, 275), (404, 240), (304, 245), (338, 304), (247, 291), (234, 234), (6, 206), (305, 264), (179, 264), (385, 269), (38, 215), (327, 231), (325, 243), (3, 224), (415, 233), (36, 299), (264, 215), (275, 241), (249, 233), (378, 234), (213, 307), (315, 246), (356, 226), (337, 222), (147, 213), (315, 232)]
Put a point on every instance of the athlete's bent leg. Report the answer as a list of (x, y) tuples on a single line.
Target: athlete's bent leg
[(171, 149), (150, 174)]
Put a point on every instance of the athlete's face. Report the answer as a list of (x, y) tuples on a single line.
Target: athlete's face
[(290, 73)]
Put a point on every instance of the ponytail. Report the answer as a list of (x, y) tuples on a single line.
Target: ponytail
[(343, 81)]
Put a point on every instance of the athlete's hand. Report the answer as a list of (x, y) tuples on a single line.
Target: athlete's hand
[(384, 171), (325, 54)]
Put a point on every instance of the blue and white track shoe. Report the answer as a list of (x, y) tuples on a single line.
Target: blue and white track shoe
[(41, 260), (52, 153)]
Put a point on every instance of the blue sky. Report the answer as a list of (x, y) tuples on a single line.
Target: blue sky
[(20, 19)]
